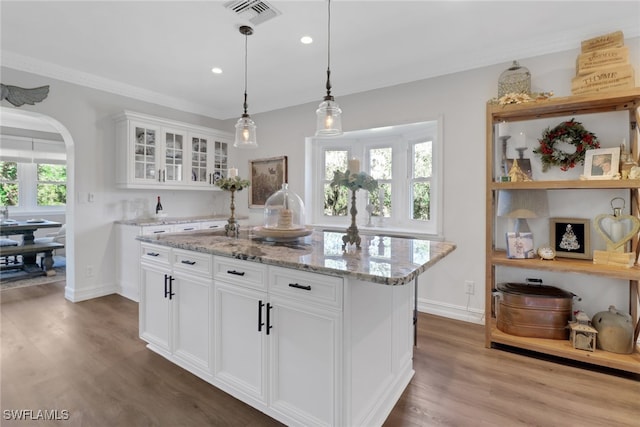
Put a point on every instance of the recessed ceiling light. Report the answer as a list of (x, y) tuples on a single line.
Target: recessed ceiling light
[(306, 40), (216, 70)]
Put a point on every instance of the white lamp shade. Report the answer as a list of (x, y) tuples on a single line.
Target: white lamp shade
[(245, 133), (523, 204), (329, 121)]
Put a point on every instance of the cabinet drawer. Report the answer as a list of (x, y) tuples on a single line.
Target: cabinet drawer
[(244, 273), (152, 230), (191, 226), (311, 287), (156, 254), (192, 262)]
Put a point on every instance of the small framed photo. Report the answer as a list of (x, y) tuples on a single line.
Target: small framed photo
[(520, 245), (267, 177), (601, 163), (571, 237)]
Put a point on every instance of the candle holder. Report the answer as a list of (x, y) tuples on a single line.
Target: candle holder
[(352, 236), (232, 228), (354, 182)]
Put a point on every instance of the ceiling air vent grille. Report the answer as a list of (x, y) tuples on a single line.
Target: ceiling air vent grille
[(255, 11)]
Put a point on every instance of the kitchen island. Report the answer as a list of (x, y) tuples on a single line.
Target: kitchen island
[(304, 331)]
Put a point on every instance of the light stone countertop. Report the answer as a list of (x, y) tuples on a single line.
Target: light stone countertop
[(145, 222), (381, 259)]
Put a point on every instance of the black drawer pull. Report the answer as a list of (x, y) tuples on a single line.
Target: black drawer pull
[(186, 261), (188, 229), (214, 226), (153, 254), (297, 286), (159, 231), (237, 273)]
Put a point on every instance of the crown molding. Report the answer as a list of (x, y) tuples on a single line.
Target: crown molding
[(47, 69)]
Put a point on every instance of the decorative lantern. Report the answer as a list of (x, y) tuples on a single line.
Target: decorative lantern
[(582, 337)]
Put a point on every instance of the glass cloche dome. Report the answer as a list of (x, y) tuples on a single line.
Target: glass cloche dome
[(284, 210)]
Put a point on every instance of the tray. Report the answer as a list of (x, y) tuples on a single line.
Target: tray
[(281, 234)]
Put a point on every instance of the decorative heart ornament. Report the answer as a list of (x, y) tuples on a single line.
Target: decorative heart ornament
[(612, 229)]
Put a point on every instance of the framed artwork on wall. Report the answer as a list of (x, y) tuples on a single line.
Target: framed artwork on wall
[(571, 237), (267, 177)]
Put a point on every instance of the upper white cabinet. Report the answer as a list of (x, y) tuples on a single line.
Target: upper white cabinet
[(157, 153)]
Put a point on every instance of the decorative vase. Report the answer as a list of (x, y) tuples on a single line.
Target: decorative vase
[(352, 236)]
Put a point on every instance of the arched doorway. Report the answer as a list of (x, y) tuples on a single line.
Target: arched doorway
[(23, 119)]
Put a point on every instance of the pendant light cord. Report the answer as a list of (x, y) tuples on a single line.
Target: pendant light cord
[(246, 38), (328, 97)]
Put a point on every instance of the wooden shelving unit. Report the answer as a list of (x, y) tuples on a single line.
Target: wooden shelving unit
[(628, 100)]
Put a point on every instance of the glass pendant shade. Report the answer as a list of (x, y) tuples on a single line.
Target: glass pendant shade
[(329, 119), (245, 133)]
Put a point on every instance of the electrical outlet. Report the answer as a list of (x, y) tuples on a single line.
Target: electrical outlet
[(89, 271), (469, 287)]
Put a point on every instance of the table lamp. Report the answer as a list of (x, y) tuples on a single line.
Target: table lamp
[(522, 205)]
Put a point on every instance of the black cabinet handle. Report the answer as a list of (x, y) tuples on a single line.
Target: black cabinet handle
[(159, 231), (269, 307), (260, 322), (153, 254), (298, 286), (171, 294), (237, 273), (214, 226), (186, 261), (166, 288), (188, 229), (210, 179)]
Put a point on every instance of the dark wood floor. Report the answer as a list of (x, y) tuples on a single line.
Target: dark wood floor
[(86, 358)]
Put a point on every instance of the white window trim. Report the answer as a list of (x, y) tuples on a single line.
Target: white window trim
[(381, 137), (28, 193)]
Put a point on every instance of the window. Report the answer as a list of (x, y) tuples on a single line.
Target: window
[(405, 162), (33, 173)]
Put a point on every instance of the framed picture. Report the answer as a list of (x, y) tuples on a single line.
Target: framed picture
[(601, 163), (571, 237), (520, 245), (267, 177)]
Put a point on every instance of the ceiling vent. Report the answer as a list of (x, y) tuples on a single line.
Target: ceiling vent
[(255, 11)]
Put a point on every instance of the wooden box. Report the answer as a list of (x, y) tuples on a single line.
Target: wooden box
[(605, 41), (592, 61), (604, 80)]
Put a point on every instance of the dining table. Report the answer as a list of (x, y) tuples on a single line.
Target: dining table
[(29, 248)]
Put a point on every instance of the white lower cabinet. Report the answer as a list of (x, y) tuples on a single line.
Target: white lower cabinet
[(306, 348), (281, 352), (176, 306)]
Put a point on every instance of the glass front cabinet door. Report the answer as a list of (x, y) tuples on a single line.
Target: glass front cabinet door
[(157, 153)]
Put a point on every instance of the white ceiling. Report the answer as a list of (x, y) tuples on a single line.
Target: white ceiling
[(163, 51)]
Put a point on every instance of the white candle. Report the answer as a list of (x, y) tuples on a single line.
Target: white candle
[(354, 165), (503, 129), (233, 172)]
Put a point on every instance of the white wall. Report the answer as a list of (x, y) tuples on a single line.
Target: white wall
[(460, 98)]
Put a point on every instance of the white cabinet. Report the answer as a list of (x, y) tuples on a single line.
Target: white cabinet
[(128, 266), (175, 305), (272, 343), (156, 153)]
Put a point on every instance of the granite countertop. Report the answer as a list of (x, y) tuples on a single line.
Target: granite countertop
[(142, 222), (381, 259)]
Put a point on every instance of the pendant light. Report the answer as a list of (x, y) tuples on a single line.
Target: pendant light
[(329, 121), (245, 127)]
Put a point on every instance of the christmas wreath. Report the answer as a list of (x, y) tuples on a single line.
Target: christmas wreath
[(571, 132)]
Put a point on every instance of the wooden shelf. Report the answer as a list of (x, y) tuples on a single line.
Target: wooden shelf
[(609, 184), (570, 105), (617, 101), (567, 265), (563, 348)]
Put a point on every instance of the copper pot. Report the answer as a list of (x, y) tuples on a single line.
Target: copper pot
[(534, 310)]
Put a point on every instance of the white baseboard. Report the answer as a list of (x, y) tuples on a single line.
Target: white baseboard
[(77, 295), (471, 315)]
